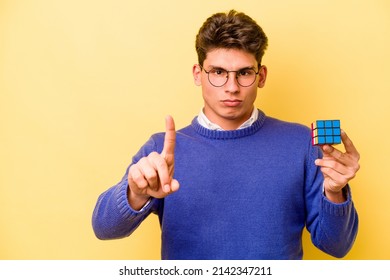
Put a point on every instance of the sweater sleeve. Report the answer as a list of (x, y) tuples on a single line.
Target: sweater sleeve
[(113, 216), (333, 227)]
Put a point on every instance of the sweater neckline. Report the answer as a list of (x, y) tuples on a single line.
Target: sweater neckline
[(229, 134)]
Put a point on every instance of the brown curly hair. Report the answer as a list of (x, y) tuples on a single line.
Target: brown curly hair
[(232, 30)]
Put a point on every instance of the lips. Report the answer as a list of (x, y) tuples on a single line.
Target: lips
[(232, 102)]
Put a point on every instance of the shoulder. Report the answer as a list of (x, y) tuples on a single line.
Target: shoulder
[(285, 132), (274, 123)]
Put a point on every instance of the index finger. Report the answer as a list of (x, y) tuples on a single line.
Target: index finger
[(170, 137)]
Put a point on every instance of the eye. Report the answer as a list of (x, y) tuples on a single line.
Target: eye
[(218, 72), (246, 72)]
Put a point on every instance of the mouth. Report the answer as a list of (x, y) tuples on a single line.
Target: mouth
[(232, 102)]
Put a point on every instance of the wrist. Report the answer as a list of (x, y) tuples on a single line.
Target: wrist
[(136, 201), (336, 197)]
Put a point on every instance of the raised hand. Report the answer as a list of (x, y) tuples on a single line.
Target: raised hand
[(152, 176), (338, 168)]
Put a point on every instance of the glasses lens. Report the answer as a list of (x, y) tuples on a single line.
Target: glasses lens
[(246, 77), (218, 77)]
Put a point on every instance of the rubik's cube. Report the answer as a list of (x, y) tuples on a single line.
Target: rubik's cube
[(326, 132)]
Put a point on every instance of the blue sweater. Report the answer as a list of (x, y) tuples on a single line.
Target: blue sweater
[(244, 194)]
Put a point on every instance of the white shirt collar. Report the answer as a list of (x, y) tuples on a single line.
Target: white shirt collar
[(205, 122)]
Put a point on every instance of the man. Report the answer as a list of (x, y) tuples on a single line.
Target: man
[(235, 183)]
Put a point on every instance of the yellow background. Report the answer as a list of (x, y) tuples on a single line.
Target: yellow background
[(83, 84)]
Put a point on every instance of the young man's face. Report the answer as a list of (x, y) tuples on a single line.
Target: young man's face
[(231, 104)]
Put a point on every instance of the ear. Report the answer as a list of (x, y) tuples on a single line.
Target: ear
[(196, 72), (263, 76)]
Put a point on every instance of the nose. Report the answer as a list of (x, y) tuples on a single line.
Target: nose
[(232, 83)]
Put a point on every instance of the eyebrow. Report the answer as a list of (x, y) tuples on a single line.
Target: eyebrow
[(245, 67)]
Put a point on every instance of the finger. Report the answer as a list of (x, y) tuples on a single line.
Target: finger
[(349, 147), (331, 152), (347, 168), (170, 138), (347, 159), (172, 187), (332, 165), (149, 173), (337, 179), (175, 185), (136, 179), (161, 167)]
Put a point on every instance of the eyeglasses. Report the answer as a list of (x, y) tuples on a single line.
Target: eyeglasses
[(218, 77)]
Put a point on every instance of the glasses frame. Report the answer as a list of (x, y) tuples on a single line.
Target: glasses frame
[(227, 76)]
